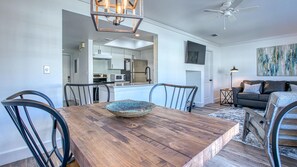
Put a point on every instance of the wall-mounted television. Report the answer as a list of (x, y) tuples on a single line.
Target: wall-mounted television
[(195, 53)]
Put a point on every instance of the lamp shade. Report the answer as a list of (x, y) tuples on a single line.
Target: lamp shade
[(234, 69)]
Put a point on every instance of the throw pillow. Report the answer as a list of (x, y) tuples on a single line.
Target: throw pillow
[(274, 86), (252, 88), (293, 88), (253, 82)]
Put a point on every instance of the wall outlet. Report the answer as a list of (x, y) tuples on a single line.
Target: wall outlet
[(46, 70)]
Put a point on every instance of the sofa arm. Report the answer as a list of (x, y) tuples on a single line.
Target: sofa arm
[(235, 91)]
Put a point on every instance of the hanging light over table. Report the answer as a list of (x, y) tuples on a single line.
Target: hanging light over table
[(115, 12)]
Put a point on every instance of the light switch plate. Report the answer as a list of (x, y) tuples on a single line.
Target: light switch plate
[(46, 70)]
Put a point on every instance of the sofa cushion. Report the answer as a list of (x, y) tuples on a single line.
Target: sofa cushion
[(248, 96), (274, 86), (252, 88), (291, 82), (252, 83), (293, 87), (264, 97)]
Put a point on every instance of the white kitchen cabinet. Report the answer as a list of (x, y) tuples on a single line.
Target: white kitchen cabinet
[(136, 54), (102, 52), (128, 54), (117, 60), (100, 49)]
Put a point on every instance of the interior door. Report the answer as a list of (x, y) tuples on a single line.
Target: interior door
[(208, 78), (66, 69)]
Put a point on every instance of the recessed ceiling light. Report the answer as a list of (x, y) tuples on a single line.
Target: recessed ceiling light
[(137, 35), (214, 35)]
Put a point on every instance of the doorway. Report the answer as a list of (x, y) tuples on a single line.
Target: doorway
[(66, 70), (208, 78)]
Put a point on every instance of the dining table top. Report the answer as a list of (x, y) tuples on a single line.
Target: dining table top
[(164, 137)]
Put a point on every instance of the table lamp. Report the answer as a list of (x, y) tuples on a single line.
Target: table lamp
[(232, 71)]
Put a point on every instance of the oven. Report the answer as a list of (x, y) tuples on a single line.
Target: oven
[(98, 78)]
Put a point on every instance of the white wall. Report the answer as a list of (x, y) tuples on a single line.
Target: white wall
[(171, 52), (31, 36), (244, 57), (30, 39)]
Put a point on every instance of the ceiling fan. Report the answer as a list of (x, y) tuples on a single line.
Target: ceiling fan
[(228, 10)]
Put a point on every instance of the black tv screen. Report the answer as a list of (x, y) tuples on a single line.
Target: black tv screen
[(195, 53)]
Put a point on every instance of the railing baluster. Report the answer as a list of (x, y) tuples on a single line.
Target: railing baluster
[(177, 98), (181, 103), (84, 91), (172, 97), (90, 96), (79, 95)]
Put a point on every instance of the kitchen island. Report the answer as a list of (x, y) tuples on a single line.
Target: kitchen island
[(132, 91)]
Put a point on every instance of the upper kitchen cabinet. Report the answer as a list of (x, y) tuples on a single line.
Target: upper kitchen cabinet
[(136, 54), (102, 52), (117, 60), (128, 54)]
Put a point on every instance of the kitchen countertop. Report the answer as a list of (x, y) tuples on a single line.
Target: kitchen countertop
[(126, 85)]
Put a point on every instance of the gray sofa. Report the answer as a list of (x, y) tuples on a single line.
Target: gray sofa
[(259, 100)]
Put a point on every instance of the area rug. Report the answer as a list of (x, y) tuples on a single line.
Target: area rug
[(237, 115)]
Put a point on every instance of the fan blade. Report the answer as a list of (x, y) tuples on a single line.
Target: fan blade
[(213, 11), (248, 8), (226, 5), (235, 3)]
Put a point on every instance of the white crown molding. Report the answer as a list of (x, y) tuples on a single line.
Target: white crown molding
[(167, 27), (261, 40)]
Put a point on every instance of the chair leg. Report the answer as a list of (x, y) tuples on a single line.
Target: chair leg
[(245, 129)]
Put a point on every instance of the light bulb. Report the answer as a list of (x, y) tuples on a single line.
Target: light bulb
[(106, 8), (125, 4), (119, 8)]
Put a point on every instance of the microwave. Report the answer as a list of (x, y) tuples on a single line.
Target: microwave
[(117, 77)]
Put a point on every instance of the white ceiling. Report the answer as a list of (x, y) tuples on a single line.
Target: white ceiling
[(272, 18), (78, 28)]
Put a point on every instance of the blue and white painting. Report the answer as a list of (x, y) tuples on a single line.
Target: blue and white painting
[(277, 60)]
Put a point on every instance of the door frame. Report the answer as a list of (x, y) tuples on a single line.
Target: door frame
[(210, 65)]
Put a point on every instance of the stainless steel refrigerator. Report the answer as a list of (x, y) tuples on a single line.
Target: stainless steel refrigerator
[(138, 70), (134, 70)]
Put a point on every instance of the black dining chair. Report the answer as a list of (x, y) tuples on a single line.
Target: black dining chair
[(83, 94), (22, 109), (284, 132), (173, 96)]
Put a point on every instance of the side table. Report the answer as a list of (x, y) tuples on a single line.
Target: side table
[(226, 96)]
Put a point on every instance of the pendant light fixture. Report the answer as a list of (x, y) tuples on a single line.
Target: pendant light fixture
[(116, 12)]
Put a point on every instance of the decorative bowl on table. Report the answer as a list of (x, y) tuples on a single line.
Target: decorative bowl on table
[(130, 108)]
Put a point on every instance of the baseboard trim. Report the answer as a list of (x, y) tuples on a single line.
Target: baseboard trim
[(21, 153)]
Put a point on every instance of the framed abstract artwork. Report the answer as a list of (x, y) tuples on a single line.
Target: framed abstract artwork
[(277, 60)]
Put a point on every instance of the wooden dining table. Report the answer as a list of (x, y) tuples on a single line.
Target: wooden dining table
[(164, 137)]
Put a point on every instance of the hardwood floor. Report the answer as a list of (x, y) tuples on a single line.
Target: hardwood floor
[(234, 154)]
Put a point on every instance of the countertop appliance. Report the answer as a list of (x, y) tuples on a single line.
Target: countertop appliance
[(97, 78), (117, 77)]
